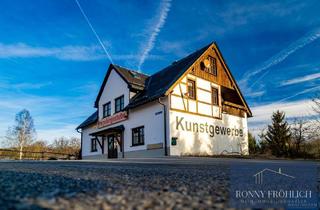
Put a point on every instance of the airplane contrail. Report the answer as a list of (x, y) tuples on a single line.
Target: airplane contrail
[(93, 30), (282, 55), (164, 9)]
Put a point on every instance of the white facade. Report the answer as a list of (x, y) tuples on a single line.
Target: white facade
[(208, 136), (115, 87), (200, 128), (150, 116)]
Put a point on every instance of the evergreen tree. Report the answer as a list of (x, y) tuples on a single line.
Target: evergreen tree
[(253, 147), (278, 135)]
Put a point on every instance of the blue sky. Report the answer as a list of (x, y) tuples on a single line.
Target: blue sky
[(52, 63)]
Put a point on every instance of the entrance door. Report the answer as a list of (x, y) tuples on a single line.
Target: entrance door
[(112, 147)]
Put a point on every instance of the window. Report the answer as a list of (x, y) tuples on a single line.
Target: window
[(213, 66), (138, 136), (107, 109), (94, 145), (215, 96), (119, 104), (209, 65), (191, 89)]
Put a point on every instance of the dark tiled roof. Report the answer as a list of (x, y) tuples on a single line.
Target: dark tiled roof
[(92, 119), (132, 77), (160, 82)]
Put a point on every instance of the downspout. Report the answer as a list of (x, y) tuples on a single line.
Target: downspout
[(80, 143), (165, 126)]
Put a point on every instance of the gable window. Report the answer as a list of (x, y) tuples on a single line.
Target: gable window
[(215, 96), (138, 136), (209, 65), (119, 104), (107, 109), (191, 89), (213, 66), (94, 145)]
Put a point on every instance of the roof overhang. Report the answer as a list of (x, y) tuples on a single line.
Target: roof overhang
[(103, 132)]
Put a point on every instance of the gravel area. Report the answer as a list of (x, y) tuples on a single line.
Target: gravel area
[(195, 184)]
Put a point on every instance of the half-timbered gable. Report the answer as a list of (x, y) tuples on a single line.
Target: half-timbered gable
[(215, 90)]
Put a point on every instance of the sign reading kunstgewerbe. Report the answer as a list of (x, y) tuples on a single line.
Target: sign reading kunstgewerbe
[(212, 130)]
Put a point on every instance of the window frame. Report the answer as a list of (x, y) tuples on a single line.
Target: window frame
[(194, 97), (106, 112), (215, 90), (94, 145), (140, 137), (121, 103), (213, 66)]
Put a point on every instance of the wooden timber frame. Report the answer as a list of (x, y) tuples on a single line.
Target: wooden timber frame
[(224, 78)]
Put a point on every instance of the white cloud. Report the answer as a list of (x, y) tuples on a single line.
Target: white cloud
[(240, 13), (24, 85), (53, 116), (80, 53), (301, 92), (63, 131), (69, 52), (300, 108), (156, 28), (300, 79), (254, 94)]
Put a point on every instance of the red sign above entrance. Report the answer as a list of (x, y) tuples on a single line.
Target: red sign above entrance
[(121, 116)]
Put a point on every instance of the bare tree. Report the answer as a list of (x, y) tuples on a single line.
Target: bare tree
[(300, 133), (316, 101), (316, 108), (22, 133), (66, 145)]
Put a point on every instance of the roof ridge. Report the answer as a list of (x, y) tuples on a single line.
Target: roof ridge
[(183, 58), (126, 68)]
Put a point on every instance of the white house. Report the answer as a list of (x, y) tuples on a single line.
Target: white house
[(192, 107)]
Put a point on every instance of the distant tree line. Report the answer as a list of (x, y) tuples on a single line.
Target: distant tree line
[(300, 139), (20, 142)]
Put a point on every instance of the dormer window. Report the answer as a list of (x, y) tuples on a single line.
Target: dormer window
[(119, 104), (209, 65), (134, 74)]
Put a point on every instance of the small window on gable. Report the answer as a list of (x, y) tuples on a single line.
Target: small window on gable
[(209, 65)]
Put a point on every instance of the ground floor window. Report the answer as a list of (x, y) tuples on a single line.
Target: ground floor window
[(94, 145), (138, 136)]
